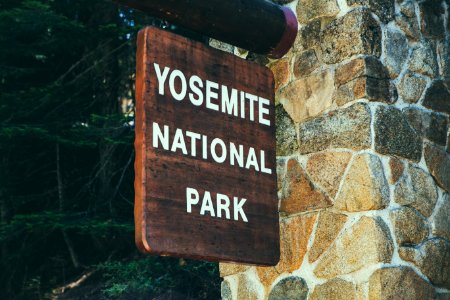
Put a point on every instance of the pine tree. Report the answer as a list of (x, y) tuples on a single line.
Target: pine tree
[(66, 154)]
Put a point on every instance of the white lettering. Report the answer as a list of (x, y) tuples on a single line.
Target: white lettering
[(238, 210), (192, 198), (223, 206), (229, 102), (210, 94), (263, 110), (252, 99), (207, 205), (195, 83), (177, 95), (178, 142), (159, 136), (217, 158), (161, 77), (251, 159), (194, 137)]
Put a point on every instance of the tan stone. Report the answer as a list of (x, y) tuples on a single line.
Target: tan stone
[(294, 236), (299, 193), (409, 226), (397, 168), (295, 233), (328, 227), (432, 258), (227, 269), (311, 9), (327, 169), (280, 70), (267, 275), (364, 186), (441, 223), (366, 242), (368, 66), (335, 289), (247, 288), (309, 96), (418, 192), (398, 283)]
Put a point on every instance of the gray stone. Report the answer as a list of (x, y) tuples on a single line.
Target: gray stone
[(437, 97), (411, 87), (311, 9), (394, 135), (423, 60), (430, 125), (305, 63), (290, 288), (409, 226), (308, 36), (438, 162), (432, 15), (396, 51), (336, 289), (281, 171), (384, 9), (398, 283), (344, 128), (408, 8), (285, 133), (441, 222), (432, 258), (444, 59), (221, 45), (357, 32), (225, 291), (282, 1), (417, 191)]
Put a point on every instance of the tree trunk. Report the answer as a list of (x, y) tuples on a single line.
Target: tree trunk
[(70, 248)]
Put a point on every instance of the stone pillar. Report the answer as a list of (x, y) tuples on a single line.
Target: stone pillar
[(363, 156)]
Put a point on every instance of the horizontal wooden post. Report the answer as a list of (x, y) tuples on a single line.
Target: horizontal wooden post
[(256, 25)]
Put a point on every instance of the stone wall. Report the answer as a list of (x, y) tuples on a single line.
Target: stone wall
[(363, 156)]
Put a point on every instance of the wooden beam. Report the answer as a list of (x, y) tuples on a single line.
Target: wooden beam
[(256, 25)]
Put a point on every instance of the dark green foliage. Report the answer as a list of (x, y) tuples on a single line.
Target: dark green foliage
[(66, 156)]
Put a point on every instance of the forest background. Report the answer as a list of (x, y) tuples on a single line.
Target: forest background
[(66, 158)]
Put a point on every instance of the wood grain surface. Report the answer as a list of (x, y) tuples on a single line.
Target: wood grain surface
[(163, 226)]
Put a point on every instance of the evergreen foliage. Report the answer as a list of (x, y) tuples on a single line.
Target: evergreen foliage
[(66, 156)]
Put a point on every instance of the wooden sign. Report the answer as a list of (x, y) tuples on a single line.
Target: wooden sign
[(205, 153)]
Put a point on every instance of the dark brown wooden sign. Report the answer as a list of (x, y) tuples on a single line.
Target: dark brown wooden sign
[(205, 153)]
